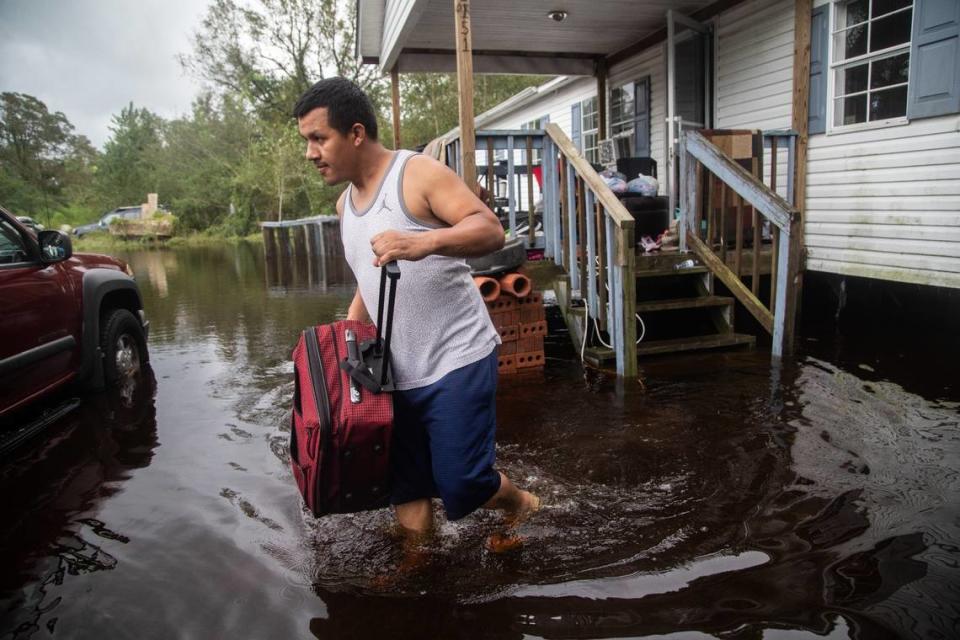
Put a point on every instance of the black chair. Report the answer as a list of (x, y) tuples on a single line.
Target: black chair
[(632, 167)]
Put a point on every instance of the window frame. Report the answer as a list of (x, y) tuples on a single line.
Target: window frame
[(628, 133), (595, 130), (834, 67), (25, 244)]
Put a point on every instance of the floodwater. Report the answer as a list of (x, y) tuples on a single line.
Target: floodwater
[(721, 497)]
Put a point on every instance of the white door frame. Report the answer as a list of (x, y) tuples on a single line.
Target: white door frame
[(674, 123)]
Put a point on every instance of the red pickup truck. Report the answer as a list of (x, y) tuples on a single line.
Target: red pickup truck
[(64, 317)]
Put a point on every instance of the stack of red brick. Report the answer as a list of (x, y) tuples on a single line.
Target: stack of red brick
[(522, 325)]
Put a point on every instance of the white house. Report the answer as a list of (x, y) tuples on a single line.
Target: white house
[(882, 187)]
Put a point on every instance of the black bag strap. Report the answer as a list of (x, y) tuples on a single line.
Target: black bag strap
[(372, 370), (390, 270)]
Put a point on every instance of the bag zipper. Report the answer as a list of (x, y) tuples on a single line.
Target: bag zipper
[(315, 365)]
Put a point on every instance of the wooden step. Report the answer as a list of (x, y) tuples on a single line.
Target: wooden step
[(694, 343), (643, 272), (600, 356), (684, 303)]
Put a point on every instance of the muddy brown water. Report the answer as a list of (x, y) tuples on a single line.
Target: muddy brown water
[(723, 496)]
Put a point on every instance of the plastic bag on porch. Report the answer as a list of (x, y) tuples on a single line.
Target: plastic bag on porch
[(644, 185), (616, 181)]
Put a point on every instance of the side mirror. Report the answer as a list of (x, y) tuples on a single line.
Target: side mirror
[(55, 246)]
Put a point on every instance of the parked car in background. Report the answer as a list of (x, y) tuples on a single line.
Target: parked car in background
[(103, 224), (65, 317), (30, 223)]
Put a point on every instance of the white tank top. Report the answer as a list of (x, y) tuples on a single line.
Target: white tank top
[(440, 322)]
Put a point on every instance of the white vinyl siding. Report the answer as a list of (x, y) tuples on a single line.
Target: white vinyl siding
[(881, 203), (399, 16), (885, 203), (754, 73), (754, 62)]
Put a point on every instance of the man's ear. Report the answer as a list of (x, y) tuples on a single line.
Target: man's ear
[(359, 134)]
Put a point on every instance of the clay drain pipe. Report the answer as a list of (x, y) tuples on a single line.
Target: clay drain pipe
[(489, 287), (516, 284)]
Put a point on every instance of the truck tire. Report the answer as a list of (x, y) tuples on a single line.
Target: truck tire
[(122, 344)]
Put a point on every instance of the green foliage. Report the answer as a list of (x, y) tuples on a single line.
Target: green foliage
[(429, 107), (236, 158), (127, 170), (42, 162)]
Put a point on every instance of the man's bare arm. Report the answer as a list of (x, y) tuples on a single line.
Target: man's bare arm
[(358, 310), (436, 195)]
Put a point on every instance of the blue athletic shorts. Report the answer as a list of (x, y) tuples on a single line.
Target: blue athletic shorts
[(443, 440)]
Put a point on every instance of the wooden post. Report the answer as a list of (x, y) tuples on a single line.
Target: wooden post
[(468, 140), (299, 242), (800, 115), (581, 238), (564, 218), (269, 244), (395, 85), (602, 98), (602, 267), (490, 189), (738, 261), (531, 234), (283, 237), (628, 288), (787, 301)]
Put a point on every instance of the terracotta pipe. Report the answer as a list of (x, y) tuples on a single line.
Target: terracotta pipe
[(516, 284), (489, 287)]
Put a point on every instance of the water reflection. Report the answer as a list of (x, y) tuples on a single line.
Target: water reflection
[(722, 497), (311, 272), (53, 491)]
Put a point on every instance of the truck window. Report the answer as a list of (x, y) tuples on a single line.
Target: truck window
[(12, 248)]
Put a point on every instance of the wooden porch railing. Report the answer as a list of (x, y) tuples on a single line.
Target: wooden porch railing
[(587, 230), (704, 231)]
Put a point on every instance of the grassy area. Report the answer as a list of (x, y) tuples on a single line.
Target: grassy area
[(106, 243)]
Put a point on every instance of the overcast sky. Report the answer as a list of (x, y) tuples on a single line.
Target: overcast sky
[(90, 58)]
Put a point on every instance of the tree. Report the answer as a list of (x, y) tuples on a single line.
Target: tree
[(127, 170), (40, 156), (429, 105), (268, 52)]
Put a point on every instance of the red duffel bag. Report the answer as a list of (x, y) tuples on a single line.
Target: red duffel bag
[(342, 414)]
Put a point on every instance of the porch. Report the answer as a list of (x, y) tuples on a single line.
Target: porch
[(741, 230)]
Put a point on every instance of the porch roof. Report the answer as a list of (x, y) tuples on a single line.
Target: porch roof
[(513, 36)]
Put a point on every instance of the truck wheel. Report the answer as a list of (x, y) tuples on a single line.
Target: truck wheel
[(122, 344)]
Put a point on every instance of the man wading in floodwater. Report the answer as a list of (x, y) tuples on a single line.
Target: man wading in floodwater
[(403, 206)]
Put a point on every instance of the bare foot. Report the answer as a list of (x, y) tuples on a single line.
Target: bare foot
[(509, 539), (415, 556), (530, 504)]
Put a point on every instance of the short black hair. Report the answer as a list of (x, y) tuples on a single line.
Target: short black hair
[(346, 105)]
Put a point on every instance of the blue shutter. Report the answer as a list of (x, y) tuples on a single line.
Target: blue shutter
[(641, 113), (934, 88), (575, 126), (817, 95)]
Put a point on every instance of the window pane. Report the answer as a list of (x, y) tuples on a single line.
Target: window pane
[(889, 103), (881, 7), (890, 31), (852, 42), (12, 249), (889, 71), (852, 79), (851, 110), (855, 11)]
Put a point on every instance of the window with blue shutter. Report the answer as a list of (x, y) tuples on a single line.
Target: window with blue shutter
[(575, 126), (935, 59), (642, 122), (819, 33)]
